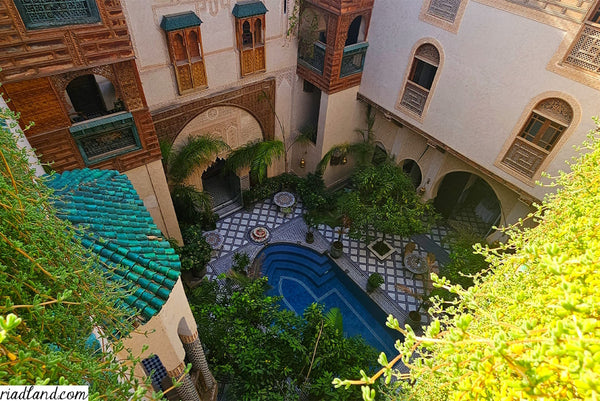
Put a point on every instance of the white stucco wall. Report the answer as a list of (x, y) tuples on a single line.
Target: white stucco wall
[(493, 67)]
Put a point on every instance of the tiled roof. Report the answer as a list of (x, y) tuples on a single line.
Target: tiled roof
[(174, 22), (243, 9), (119, 229)]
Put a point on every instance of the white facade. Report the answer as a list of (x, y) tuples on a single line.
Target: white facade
[(493, 68)]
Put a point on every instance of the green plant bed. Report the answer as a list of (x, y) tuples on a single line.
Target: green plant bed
[(381, 249)]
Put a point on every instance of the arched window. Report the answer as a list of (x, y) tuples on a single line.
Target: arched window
[(90, 96), (249, 29), (547, 122), (246, 34), (420, 79), (354, 31), (258, 37), (194, 45), (179, 48)]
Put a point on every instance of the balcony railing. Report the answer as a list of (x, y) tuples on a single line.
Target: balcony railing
[(353, 59), (105, 137), (585, 53), (315, 60)]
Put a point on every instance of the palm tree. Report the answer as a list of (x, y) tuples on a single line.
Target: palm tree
[(198, 151), (258, 156)]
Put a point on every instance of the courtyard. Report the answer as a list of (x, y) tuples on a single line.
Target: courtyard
[(401, 292)]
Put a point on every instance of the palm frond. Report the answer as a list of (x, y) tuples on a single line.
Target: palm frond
[(166, 149), (241, 157), (190, 203), (198, 151), (258, 156), (334, 318)]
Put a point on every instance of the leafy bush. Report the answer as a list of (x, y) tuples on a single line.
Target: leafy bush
[(529, 329), (53, 294), (196, 252), (240, 262), (268, 353), (384, 200), (464, 263), (270, 186)]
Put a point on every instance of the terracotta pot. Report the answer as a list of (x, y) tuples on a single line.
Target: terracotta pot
[(413, 320)]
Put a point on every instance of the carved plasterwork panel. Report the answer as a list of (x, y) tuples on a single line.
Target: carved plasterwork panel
[(557, 109), (429, 52), (213, 7)]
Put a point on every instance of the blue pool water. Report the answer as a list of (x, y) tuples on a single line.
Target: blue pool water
[(302, 276)]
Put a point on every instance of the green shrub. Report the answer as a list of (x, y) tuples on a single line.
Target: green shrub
[(374, 281), (240, 262), (196, 252)]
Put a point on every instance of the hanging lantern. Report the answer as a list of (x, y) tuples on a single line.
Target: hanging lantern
[(302, 163), (344, 160)]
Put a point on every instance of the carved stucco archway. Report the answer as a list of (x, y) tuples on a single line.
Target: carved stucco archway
[(234, 125)]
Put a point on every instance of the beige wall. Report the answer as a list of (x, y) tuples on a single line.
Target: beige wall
[(160, 335), (219, 45), (340, 115), (150, 183), (493, 67)]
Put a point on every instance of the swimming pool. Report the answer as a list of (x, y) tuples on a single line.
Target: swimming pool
[(302, 276)]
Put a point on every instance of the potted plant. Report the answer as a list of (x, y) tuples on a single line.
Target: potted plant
[(309, 219), (414, 317), (375, 280), (337, 247)]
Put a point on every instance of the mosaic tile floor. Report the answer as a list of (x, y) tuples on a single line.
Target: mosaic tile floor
[(400, 285)]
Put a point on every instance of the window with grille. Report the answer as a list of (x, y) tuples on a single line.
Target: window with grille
[(585, 53), (104, 138), (420, 79), (37, 14), (444, 9), (540, 133)]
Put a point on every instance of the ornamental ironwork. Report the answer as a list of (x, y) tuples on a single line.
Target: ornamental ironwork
[(38, 14), (107, 137), (353, 59), (444, 9)]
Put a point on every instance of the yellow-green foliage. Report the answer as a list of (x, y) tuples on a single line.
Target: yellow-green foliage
[(528, 330), (51, 295)]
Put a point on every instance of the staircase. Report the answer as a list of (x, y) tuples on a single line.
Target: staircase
[(229, 207)]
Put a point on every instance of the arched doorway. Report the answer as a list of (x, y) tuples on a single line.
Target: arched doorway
[(468, 199), (223, 185), (236, 127), (413, 171)]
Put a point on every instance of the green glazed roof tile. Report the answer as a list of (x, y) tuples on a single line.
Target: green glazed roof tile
[(183, 20), (112, 222), (243, 9)]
